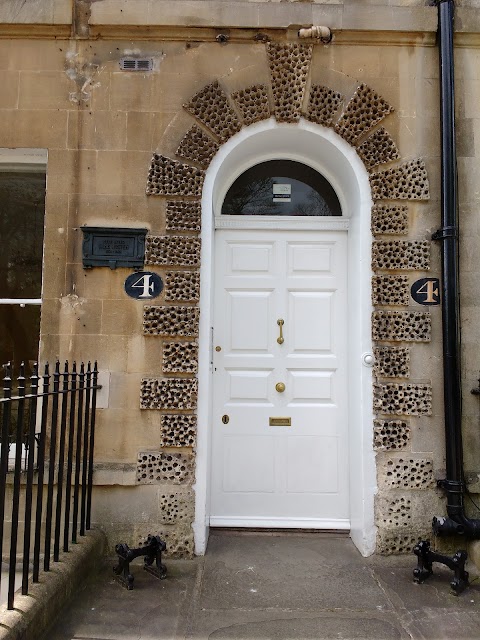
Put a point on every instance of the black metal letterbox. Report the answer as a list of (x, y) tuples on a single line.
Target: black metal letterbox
[(113, 247)]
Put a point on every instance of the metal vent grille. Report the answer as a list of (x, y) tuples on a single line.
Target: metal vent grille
[(136, 64)]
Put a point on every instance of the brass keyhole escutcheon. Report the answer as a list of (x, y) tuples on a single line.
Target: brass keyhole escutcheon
[(280, 339), (280, 387), (225, 419)]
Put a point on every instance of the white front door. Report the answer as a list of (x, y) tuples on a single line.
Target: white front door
[(280, 423)]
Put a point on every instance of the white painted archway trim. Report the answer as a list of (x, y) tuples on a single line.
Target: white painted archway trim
[(323, 150)]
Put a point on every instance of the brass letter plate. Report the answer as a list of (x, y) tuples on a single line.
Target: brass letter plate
[(280, 422)]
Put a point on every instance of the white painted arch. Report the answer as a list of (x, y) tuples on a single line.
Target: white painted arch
[(325, 151)]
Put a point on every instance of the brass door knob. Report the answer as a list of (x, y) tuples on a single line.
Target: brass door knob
[(280, 387)]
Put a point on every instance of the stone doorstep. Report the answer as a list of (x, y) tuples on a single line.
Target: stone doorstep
[(34, 613)]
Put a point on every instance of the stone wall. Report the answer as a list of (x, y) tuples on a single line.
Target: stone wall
[(101, 126)]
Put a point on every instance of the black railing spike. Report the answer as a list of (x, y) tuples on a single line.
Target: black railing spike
[(51, 466), (41, 473), (91, 447), (7, 378), (78, 451), (30, 467), (15, 519), (85, 457), (61, 462), (34, 377), (7, 393), (70, 456)]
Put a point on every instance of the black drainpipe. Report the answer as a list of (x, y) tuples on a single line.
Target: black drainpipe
[(456, 521)]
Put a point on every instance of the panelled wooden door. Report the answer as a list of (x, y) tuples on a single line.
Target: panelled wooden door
[(280, 423)]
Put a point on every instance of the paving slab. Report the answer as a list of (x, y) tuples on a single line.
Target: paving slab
[(104, 610), (287, 572), (269, 585)]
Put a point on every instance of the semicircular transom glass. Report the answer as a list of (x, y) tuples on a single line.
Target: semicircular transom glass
[(281, 188)]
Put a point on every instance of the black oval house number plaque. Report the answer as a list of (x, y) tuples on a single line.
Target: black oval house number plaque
[(143, 285), (426, 291)]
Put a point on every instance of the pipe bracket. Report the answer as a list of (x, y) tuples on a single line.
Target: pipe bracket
[(445, 232), (451, 486)]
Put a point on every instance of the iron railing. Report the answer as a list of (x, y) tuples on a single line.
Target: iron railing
[(48, 480)]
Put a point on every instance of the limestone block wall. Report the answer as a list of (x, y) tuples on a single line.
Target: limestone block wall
[(131, 149)]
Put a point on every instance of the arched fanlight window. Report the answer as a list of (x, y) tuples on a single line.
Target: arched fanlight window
[(281, 188)]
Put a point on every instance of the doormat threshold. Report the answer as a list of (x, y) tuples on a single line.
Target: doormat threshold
[(319, 533)]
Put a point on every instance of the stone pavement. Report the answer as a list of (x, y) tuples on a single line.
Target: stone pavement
[(287, 586)]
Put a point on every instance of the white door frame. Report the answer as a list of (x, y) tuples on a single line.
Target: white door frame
[(325, 151)]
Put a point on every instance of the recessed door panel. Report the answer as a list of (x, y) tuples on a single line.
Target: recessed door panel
[(248, 386), (312, 464), (249, 466), (311, 386), (309, 258), (311, 324), (248, 315), (248, 258)]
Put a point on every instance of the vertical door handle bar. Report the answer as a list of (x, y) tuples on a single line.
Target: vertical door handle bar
[(280, 339)]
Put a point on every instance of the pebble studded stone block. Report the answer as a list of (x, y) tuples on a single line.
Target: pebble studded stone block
[(390, 290), (402, 326), (158, 467), (180, 357), (168, 394), (407, 472), (176, 507), (168, 177), (252, 104), (183, 215), (390, 435), (212, 108), (392, 362), (289, 65), (182, 286), (181, 251), (394, 513), (323, 104), (407, 399), (197, 147), (401, 254), (364, 110), (378, 148), (409, 181), (178, 430), (394, 543), (389, 219), (170, 321)]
